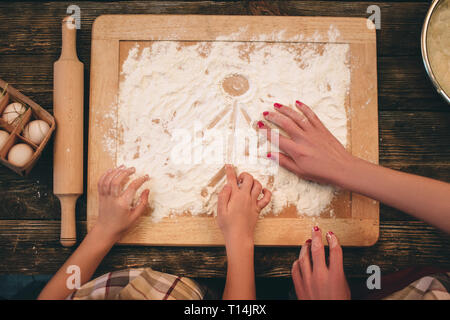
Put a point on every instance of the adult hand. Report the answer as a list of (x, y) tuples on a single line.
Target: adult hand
[(116, 214), (310, 151), (313, 280)]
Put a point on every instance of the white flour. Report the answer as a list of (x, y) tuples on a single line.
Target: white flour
[(171, 86)]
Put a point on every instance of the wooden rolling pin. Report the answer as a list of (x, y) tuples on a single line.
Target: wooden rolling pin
[(68, 149)]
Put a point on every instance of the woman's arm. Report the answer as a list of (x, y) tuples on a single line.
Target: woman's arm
[(424, 198), (237, 213), (116, 216), (313, 153)]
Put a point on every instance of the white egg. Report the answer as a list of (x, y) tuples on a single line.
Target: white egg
[(36, 131), (20, 154), (3, 137), (13, 111)]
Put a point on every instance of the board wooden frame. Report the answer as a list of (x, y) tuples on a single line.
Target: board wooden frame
[(362, 229)]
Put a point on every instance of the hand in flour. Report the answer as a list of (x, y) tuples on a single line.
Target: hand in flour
[(239, 207), (310, 151), (313, 153), (313, 279), (116, 214)]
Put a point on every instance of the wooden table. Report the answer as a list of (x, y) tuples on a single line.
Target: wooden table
[(414, 137)]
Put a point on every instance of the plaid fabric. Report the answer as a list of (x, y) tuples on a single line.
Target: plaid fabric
[(147, 284), (434, 287), (139, 284)]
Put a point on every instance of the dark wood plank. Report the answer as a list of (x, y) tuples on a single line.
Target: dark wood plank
[(401, 244), (32, 197), (414, 137), (404, 85), (399, 34)]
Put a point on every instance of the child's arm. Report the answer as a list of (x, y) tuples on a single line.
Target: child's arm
[(115, 217), (237, 214), (314, 153)]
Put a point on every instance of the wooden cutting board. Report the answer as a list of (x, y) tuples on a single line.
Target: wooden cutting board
[(355, 219)]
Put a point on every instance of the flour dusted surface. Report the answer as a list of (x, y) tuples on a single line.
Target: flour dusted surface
[(178, 100)]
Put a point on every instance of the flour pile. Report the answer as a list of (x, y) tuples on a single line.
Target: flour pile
[(179, 102)]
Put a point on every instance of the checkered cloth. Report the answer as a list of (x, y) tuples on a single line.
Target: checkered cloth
[(147, 284), (139, 284), (435, 287)]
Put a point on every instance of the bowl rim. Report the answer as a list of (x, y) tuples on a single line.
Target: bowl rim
[(425, 59)]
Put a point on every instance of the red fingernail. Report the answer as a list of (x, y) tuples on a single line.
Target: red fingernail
[(298, 103), (308, 241), (269, 155), (265, 113), (277, 105), (260, 124), (330, 233), (316, 228)]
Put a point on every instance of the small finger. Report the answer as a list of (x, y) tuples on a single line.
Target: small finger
[(231, 176), (119, 181), (299, 118), (102, 179), (304, 257), (109, 178), (223, 199), (336, 256), (256, 190), (317, 250), (284, 161), (141, 205), (264, 201), (247, 181), (133, 187), (304, 261), (297, 279)]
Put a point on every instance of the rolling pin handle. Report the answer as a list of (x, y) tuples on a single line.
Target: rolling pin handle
[(69, 36), (68, 229)]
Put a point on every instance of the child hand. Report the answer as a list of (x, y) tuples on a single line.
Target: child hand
[(313, 280), (116, 214), (311, 151), (238, 206)]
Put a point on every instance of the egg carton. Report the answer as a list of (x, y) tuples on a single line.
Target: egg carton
[(8, 95)]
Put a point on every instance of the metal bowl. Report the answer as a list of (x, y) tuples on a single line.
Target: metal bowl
[(426, 62)]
